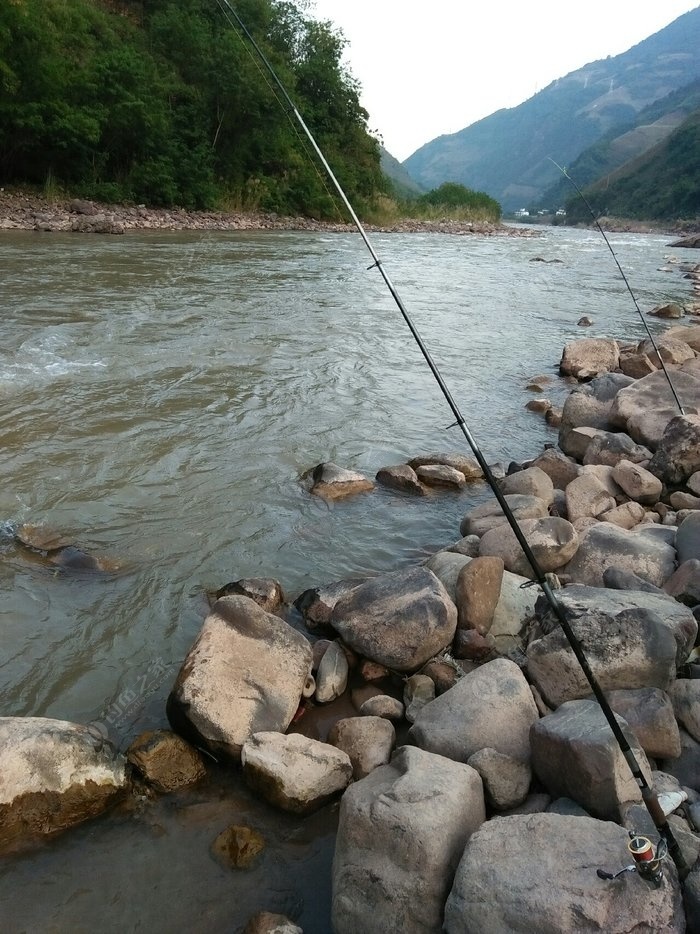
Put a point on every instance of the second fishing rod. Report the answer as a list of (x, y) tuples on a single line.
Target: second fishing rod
[(647, 792)]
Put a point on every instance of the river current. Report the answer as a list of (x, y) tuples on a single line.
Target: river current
[(161, 396)]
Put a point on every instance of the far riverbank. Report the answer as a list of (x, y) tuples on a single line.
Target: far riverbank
[(21, 210)]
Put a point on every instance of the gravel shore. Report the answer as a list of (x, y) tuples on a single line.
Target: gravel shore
[(26, 211)]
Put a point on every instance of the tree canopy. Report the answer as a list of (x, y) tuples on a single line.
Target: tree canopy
[(161, 101)]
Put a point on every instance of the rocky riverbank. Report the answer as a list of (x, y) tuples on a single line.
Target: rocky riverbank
[(478, 782), (25, 211)]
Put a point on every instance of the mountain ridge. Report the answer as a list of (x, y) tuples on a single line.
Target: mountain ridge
[(507, 154)]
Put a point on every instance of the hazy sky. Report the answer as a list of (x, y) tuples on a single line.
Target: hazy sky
[(428, 68)]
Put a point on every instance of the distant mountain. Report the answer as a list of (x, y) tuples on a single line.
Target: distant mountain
[(507, 154), (403, 183), (616, 149), (662, 184)]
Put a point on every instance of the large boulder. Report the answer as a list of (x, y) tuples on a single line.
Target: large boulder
[(605, 545), (685, 697), (677, 456), (560, 469), (529, 482), (637, 482), (401, 833), (575, 755), (645, 408), (53, 774), (589, 405), (489, 514), (631, 639), (245, 673), (611, 447), (537, 872), (688, 538), (399, 620), (589, 357), (553, 542), (649, 714), (368, 742), (294, 773), (491, 707), (316, 604)]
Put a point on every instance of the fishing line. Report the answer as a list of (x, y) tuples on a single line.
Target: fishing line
[(647, 792), (624, 279)]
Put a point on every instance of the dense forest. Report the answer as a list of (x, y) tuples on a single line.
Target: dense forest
[(162, 102)]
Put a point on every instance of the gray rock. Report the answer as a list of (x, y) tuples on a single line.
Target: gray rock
[(677, 456), (266, 592), (575, 443), (506, 780), (382, 705), (684, 584), (477, 593), (638, 483), (567, 808), (688, 538), (489, 707), (294, 773), (589, 357), (401, 833), (609, 448), (649, 714), (333, 482), (619, 579), (418, 691), (466, 465), (553, 542), (589, 405), (685, 697), (489, 514), (316, 604), (631, 639), (440, 475), (401, 477), (575, 755), (686, 768), (399, 620), (469, 546), (446, 566), (587, 497), (559, 468), (532, 481), (332, 675), (514, 610), (537, 873), (645, 408), (691, 899), (604, 545), (246, 672), (368, 741), (53, 774), (672, 351)]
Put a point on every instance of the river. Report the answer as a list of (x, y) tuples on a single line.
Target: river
[(160, 397)]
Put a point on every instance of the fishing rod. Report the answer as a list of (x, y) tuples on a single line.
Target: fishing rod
[(647, 792), (596, 221)]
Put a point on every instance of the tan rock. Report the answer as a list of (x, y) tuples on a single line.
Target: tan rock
[(477, 593)]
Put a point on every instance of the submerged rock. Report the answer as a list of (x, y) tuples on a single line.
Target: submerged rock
[(333, 482), (165, 760)]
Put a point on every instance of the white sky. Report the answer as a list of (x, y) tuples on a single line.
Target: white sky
[(428, 68)]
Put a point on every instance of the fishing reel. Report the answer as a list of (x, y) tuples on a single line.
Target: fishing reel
[(648, 860)]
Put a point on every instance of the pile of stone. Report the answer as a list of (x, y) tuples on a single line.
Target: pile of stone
[(481, 785)]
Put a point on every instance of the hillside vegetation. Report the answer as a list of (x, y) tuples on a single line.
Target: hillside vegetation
[(663, 184), (159, 101)]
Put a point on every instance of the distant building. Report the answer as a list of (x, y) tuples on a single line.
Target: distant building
[(522, 213), (561, 212)]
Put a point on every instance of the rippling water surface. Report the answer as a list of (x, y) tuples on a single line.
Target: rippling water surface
[(160, 397)]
